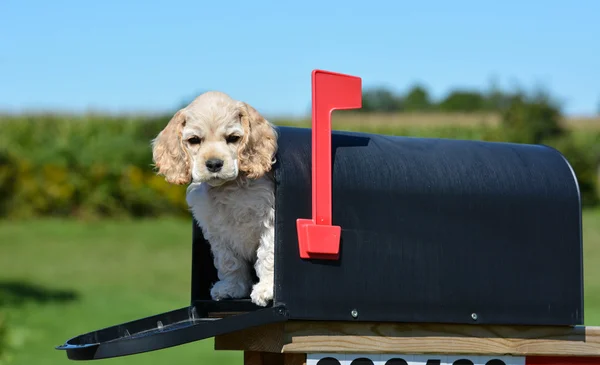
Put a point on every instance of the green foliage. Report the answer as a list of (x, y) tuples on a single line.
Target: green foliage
[(531, 119), (417, 99), (97, 166), (89, 167), (8, 172), (536, 119), (584, 164), (463, 101), (381, 100)]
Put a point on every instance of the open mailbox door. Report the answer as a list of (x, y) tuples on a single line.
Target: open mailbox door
[(203, 320)]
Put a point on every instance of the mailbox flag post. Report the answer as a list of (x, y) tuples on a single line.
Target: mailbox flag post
[(318, 238)]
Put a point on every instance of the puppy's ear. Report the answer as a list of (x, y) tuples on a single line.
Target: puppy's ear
[(170, 157), (259, 144)]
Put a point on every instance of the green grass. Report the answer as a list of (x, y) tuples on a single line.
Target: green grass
[(75, 277), (591, 262), (116, 271)]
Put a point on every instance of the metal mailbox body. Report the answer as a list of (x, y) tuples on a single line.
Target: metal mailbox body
[(433, 230)]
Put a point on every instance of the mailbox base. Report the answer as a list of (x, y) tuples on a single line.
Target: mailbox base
[(415, 338), (336, 343)]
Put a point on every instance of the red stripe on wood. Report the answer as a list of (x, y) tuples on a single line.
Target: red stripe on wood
[(562, 360)]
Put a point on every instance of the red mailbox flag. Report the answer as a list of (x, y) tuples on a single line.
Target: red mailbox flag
[(317, 237)]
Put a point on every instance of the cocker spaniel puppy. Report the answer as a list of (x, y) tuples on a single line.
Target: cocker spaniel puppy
[(224, 149)]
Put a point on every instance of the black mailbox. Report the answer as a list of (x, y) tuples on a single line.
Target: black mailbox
[(432, 230)]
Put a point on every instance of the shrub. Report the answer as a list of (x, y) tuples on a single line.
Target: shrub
[(381, 100), (417, 99), (8, 181), (96, 166), (584, 165), (531, 119), (90, 167), (536, 119), (463, 101)]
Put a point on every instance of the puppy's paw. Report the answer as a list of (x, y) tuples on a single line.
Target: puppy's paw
[(228, 290), (262, 293)]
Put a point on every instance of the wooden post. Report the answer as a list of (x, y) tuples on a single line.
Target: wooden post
[(294, 341)]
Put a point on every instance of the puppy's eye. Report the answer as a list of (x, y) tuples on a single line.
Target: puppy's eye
[(193, 140), (232, 139)]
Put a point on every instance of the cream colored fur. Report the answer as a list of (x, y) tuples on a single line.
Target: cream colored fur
[(234, 206)]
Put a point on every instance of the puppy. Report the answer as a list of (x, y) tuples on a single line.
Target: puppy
[(224, 149)]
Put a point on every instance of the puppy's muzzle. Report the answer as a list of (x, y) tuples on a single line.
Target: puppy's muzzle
[(214, 165)]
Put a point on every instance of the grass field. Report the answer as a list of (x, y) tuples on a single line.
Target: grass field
[(62, 278)]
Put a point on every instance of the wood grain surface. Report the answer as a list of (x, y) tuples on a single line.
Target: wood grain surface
[(336, 337)]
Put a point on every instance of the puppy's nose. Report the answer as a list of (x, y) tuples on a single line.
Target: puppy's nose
[(214, 165)]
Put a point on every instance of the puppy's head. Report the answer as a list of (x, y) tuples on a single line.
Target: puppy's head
[(214, 139)]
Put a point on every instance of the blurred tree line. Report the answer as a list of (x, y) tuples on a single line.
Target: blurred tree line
[(525, 117), (101, 166), (418, 99)]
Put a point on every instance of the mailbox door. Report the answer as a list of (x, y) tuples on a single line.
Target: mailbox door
[(169, 329)]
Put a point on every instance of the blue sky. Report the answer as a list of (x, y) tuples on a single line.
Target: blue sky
[(123, 56)]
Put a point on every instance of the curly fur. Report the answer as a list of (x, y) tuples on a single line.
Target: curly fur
[(169, 154), (235, 206), (257, 146)]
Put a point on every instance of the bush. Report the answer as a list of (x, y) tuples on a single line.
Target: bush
[(89, 167), (463, 101), (536, 119), (584, 165), (102, 166), (8, 181), (380, 99), (531, 119)]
